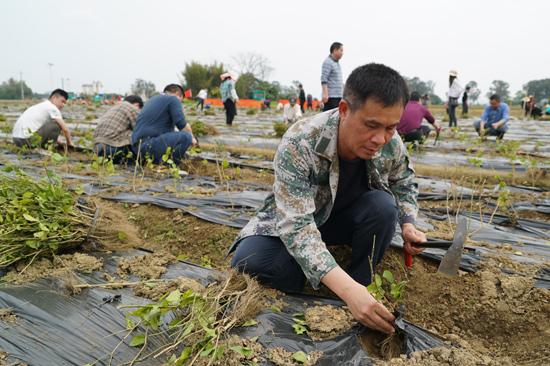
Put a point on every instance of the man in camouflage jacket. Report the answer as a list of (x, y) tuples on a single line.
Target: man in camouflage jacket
[(341, 177)]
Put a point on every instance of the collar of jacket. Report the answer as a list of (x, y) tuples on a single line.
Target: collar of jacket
[(327, 147)]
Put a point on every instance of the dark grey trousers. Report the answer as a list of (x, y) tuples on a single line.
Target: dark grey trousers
[(49, 132), (372, 215)]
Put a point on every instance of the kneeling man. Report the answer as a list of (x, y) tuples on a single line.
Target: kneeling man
[(155, 127), (341, 177), (112, 136), (494, 120), (44, 120)]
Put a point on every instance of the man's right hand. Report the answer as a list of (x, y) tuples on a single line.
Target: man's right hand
[(360, 302), (368, 311), (324, 98)]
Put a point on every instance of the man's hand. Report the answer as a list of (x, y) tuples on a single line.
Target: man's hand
[(410, 237), (194, 141), (324, 95), (498, 124), (482, 128), (437, 126), (368, 311), (360, 302)]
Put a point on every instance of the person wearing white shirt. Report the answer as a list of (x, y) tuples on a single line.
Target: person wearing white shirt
[(292, 111), (455, 91), (201, 97), (43, 119)]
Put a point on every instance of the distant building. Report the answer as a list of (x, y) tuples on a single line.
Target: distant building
[(93, 88)]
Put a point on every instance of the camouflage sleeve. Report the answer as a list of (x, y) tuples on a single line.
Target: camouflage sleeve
[(295, 201), (403, 184)]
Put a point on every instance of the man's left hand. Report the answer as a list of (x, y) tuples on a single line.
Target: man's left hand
[(412, 236)]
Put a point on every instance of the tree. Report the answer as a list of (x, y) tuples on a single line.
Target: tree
[(518, 97), (245, 84), (252, 63), (540, 89), (422, 87), (500, 87), (145, 89), (474, 92), (11, 89), (197, 76)]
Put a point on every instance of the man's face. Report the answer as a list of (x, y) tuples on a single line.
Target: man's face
[(494, 103), (59, 101), (338, 53), (364, 132)]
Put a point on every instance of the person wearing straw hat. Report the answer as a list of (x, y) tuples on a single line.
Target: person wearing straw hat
[(229, 96), (455, 90)]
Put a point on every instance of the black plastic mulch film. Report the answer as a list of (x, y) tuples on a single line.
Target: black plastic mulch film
[(55, 329)]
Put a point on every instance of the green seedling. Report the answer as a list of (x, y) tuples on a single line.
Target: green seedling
[(386, 284), (300, 325), (280, 128)]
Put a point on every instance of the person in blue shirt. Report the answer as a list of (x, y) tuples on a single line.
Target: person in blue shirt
[(155, 127), (494, 120)]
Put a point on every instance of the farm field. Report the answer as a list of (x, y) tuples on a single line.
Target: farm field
[(145, 279)]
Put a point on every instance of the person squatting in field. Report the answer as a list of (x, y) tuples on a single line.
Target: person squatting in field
[(341, 177)]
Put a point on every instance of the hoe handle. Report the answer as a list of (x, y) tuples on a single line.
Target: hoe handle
[(408, 259)]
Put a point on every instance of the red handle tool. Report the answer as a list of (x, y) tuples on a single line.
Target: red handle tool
[(408, 259)]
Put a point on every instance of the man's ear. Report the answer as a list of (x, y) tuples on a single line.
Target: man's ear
[(344, 109)]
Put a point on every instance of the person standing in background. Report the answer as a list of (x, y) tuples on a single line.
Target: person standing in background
[(201, 97), (301, 97), (229, 97), (465, 103), (331, 77), (455, 90)]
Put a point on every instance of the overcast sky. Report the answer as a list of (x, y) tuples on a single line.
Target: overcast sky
[(116, 42)]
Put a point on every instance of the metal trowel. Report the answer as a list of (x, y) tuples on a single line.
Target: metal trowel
[(451, 261)]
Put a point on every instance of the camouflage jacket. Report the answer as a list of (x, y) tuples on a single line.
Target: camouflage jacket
[(306, 179)]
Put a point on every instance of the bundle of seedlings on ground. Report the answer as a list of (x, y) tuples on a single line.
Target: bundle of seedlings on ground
[(38, 217), (201, 322)]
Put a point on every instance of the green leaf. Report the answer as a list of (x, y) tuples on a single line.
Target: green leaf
[(388, 276), (250, 323), (378, 280), (300, 357), (182, 257), (121, 236), (138, 340), (130, 323), (275, 308), (243, 351), (30, 218), (56, 157), (225, 164), (299, 329), (174, 297)]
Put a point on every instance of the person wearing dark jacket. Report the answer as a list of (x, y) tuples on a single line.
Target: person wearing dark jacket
[(155, 127), (301, 97)]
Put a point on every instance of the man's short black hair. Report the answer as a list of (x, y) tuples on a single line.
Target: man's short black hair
[(132, 99), (415, 96), (174, 89), (495, 97), (378, 82), (60, 92), (335, 46)]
